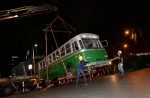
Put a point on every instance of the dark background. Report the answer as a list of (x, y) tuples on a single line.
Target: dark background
[(107, 18)]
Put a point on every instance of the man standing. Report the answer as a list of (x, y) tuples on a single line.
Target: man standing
[(120, 63), (80, 69)]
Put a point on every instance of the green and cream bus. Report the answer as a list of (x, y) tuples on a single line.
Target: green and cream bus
[(55, 65)]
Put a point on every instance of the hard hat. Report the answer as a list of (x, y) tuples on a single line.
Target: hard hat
[(120, 51), (80, 57)]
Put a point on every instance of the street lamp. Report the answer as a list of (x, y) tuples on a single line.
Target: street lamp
[(125, 45), (33, 56), (127, 32), (35, 45)]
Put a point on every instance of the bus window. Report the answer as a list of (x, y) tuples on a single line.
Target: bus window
[(40, 65), (47, 60), (99, 44), (94, 44), (91, 43), (57, 55), (44, 62), (76, 45), (62, 50), (54, 57), (73, 47), (50, 61), (68, 48), (81, 44)]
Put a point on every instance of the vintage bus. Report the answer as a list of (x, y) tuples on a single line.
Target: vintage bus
[(55, 65)]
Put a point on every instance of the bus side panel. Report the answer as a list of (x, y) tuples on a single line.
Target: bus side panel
[(57, 70)]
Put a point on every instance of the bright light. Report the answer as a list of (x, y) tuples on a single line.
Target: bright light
[(110, 63), (9, 17), (127, 32), (30, 66), (15, 16), (125, 45), (35, 45)]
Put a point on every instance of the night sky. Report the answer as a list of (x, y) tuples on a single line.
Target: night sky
[(107, 18)]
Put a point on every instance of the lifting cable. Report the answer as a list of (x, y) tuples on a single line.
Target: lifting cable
[(57, 48), (51, 30)]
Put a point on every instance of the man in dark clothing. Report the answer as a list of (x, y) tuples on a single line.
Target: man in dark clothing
[(80, 69), (120, 62)]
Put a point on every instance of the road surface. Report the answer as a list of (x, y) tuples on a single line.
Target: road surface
[(133, 85)]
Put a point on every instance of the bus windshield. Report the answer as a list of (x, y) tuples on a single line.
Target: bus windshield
[(91, 43)]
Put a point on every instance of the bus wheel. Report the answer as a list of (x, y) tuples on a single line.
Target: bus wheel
[(100, 71), (105, 70), (55, 81), (112, 70), (8, 90)]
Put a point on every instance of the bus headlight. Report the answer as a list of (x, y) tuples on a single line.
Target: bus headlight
[(109, 62)]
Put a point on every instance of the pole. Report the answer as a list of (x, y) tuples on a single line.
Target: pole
[(33, 57), (89, 70), (35, 45), (46, 56), (31, 72)]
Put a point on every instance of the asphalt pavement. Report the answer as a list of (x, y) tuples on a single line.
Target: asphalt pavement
[(132, 85)]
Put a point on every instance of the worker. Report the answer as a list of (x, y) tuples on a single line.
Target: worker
[(80, 70)]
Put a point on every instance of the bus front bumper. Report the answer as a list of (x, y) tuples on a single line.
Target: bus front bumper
[(99, 63)]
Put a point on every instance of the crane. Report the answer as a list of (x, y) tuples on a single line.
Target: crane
[(26, 11)]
